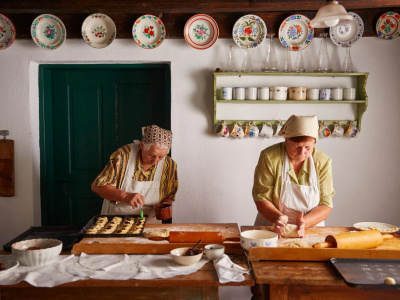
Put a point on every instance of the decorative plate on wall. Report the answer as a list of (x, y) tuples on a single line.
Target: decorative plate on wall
[(387, 26), (7, 32), (201, 31), (98, 30), (346, 35), (148, 31), (48, 32), (296, 32), (249, 31)]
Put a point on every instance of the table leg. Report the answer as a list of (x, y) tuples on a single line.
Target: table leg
[(278, 292)]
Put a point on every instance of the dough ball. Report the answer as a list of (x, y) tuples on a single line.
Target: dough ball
[(157, 233), (290, 231), (389, 281), (297, 243)]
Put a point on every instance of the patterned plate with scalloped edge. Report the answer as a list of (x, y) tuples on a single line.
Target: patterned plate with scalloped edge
[(249, 31), (148, 31), (387, 27), (7, 32), (346, 35), (48, 32), (296, 32), (98, 30)]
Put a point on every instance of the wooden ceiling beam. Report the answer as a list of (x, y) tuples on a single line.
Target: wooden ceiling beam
[(175, 13)]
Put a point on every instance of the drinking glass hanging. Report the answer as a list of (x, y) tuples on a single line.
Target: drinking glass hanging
[(231, 63), (299, 62), (347, 66), (287, 63), (247, 65), (323, 63), (270, 62)]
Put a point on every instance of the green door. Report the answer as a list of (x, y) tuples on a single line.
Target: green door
[(86, 113)]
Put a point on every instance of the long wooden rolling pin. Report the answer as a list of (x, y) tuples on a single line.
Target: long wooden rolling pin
[(354, 240)]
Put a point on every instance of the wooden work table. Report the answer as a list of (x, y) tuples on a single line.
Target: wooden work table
[(288, 279), (202, 284)]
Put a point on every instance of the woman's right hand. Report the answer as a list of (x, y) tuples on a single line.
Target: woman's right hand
[(280, 224), (134, 199)]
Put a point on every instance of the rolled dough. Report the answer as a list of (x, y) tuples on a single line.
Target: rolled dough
[(297, 243), (156, 233)]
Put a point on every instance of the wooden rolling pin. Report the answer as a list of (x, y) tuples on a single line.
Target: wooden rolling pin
[(354, 240), (214, 237)]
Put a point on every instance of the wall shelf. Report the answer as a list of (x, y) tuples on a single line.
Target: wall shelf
[(272, 111)]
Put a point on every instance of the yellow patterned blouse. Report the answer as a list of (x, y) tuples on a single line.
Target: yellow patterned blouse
[(113, 172)]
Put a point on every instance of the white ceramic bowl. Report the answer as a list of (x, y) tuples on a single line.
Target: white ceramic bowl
[(214, 251), (43, 251), (258, 238), (179, 256)]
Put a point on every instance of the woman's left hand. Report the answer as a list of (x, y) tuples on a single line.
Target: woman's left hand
[(301, 224)]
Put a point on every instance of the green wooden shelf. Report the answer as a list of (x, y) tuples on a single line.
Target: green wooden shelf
[(358, 80)]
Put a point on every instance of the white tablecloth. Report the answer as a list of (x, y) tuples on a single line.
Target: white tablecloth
[(69, 268)]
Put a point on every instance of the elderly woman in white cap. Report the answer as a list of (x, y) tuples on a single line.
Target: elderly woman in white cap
[(139, 176), (293, 180)]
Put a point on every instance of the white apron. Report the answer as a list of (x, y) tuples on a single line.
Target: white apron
[(149, 189), (296, 198)]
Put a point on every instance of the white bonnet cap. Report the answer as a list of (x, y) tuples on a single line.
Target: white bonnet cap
[(300, 126)]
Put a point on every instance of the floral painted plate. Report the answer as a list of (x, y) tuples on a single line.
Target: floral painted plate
[(98, 30), (48, 32), (387, 26), (201, 31), (346, 35), (148, 31), (296, 32), (249, 31), (7, 32)]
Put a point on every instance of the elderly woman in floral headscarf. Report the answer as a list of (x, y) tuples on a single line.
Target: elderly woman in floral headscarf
[(139, 174), (293, 180)]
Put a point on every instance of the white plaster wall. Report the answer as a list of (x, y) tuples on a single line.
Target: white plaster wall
[(216, 174)]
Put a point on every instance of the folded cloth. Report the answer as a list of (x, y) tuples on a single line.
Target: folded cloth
[(228, 271)]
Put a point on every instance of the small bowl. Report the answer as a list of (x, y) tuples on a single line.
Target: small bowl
[(36, 252), (258, 238), (214, 251), (179, 256)]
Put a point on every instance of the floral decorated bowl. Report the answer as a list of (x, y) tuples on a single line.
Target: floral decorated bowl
[(258, 238)]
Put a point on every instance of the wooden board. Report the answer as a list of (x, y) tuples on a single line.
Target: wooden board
[(390, 249), (141, 245), (7, 188)]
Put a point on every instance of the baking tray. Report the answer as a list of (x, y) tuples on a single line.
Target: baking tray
[(109, 217), (368, 273), (69, 235)]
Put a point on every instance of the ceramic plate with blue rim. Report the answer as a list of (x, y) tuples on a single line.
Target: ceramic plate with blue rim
[(346, 35), (148, 31), (201, 31), (48, 32), (249, 31), (7, 32), (387, 27), (296, 32), (98, 30)]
